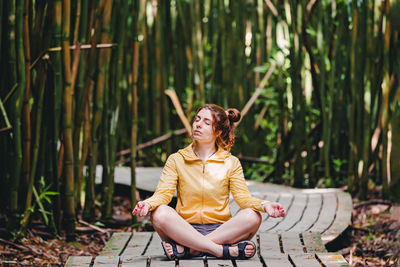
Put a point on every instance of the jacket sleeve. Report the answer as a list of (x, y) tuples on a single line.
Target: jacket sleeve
[(166, 185), (240, 190)]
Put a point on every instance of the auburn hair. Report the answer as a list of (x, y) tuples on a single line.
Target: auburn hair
[(223, 121)]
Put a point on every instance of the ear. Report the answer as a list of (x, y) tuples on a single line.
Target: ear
[(218, 133)]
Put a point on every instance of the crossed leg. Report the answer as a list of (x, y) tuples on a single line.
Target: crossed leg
[(169, 225)]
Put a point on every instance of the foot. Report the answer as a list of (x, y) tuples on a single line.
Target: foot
[(241, 250), (173, 250), (249, 250), (179, 248)]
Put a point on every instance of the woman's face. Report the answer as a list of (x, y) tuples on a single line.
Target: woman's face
[(203, 127)]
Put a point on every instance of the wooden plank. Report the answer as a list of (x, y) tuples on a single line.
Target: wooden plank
[(161, 261), (212, 262), (332, 259), (342, 219), (313, 242), (252, 262), (285, 199), (276, 260), (81, 261), (116, 244), (106, 261), (155, 251), (269, 243), (294, 215), (310, 215), (291, 243), (191, 263), (327, 213), (304, 259), (154, 247), (137, 244), (133, 261)]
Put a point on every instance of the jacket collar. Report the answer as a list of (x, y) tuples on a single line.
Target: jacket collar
[(189, 155)]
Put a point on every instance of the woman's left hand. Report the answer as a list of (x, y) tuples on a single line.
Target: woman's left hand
[(274, 209)]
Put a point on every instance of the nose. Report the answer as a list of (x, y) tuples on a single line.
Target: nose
[(197, 124)]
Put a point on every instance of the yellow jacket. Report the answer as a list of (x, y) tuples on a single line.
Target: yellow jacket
[(203, 187)]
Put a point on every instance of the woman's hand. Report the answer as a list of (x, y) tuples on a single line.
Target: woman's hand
[(142, 209), (274, 209)]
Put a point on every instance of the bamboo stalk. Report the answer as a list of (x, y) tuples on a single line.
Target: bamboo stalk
[(352, 183), (104, 58), (198, 52), (134, 122), (57, 154), (88, 211), (158, 115), (385, 105), (35, 153), (183, 19), (77, 21), (81, 100), (115, 99), (68, 173), (17, 99), (324, 94), (26, 119)]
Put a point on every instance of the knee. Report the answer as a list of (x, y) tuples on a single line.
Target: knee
[(160, 214), (252, 217)]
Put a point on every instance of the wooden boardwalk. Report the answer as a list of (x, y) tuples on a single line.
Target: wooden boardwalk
[(327, 211), (273, 250), (313, 218)]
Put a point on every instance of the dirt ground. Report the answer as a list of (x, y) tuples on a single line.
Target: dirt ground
[(373, 238)]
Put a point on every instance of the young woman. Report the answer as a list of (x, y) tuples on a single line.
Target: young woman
[(203, 174)]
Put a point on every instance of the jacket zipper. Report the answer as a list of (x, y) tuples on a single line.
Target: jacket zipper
[(202, 197)]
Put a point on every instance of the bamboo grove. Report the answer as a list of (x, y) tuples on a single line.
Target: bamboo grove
[(82, 80)]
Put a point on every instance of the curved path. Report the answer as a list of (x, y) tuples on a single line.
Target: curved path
[(327, 211), (313, 218)]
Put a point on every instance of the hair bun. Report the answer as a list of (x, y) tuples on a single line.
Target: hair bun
[(233, 114)]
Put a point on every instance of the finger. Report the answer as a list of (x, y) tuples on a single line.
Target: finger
[(140, 212), (143, 212), (271, 213)]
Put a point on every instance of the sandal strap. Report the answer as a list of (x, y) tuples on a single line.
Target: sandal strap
[(225, 251), (241, 250), (174, 248), (242, 246)]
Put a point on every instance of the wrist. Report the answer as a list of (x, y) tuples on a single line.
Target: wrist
[(263, 204)]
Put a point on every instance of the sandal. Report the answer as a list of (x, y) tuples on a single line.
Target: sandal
[(175, 254), (241, 249)]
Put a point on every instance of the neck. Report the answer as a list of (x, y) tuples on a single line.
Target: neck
[(204, 150)]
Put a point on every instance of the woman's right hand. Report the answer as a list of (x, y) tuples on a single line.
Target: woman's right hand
[(142, 209)]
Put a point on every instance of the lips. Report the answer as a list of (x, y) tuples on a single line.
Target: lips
[(196, 132)]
